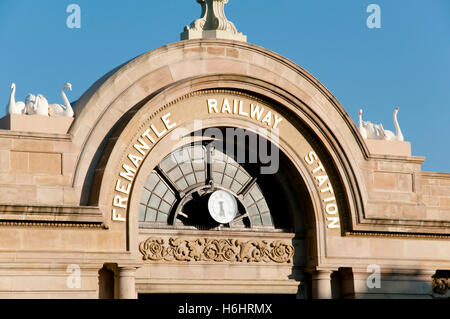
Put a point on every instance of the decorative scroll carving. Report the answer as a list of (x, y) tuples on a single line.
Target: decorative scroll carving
[(216, 250), (440, 284), (213, 17)]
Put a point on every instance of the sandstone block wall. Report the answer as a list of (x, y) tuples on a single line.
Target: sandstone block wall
[(36, 169), (436, 195)]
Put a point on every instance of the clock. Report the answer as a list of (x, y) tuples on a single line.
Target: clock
[(222, 206)]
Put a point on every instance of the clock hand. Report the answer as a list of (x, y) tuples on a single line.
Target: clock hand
[(222, 212)]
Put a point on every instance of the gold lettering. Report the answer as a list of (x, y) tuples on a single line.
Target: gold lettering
[(156, 131), (334, 222), (119, 201), (121, 189), (235, 106), (166, 122), (332, 209), (142, 147), (129, 172), (116, 216), (328, 189), (158, 134), (241, 111), (135, 159), (256, 111), (277, 121), (311, 158), (319, 168), (329, 199), (147, 135), (268, 118), (212, 104), (226, 106), (321, 179)]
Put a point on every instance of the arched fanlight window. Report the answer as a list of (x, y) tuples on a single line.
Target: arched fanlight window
[(179, 189)]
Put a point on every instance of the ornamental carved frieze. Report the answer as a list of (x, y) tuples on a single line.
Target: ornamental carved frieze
[(216, 250)]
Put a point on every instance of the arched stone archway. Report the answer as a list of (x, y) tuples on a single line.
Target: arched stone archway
[(154, 133), (181, 68), (289, 146), (159, 88)]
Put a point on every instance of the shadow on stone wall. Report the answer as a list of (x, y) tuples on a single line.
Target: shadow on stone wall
[(346, 284)]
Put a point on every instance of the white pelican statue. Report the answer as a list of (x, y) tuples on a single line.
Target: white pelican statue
[(372, 131), (398, 136), (369, 130), (62, 110), (14, 107)]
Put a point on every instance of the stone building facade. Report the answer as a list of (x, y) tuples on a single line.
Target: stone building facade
[(101, 206)]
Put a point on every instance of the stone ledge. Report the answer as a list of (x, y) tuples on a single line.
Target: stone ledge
[(396, 235), (395, 148), (36, 123), (212, 34), (403, 228), (436, 175), (42, 258), (34, 135), (159, 285), (58, 216)]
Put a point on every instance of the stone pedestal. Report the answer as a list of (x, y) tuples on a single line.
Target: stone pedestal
[(213, 24), (127, 286), (36, 123), (321, 284)]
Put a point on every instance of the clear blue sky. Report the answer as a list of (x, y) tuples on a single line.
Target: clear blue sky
[(406, 63)]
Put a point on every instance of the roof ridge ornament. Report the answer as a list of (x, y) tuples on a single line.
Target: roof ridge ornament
[(212, 24)]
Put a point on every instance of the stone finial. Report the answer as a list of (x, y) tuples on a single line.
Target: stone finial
[(213, 23)]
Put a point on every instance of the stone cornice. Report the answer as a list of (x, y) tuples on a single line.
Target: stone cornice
[(401, 227), (398, 235), (403, 159), (436, 175), (50, 224), (51, 216), (37, 136)]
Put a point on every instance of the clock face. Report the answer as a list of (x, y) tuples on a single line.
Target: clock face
[(222, 206)]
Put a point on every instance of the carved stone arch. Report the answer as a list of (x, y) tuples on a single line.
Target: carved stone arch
[(103, 105), (257, 88), (161, 151), (303, 98)]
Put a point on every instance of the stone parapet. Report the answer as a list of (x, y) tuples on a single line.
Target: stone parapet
[(36, 123), (394, 148), (435, 191), (37, 168), (51, 215)]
